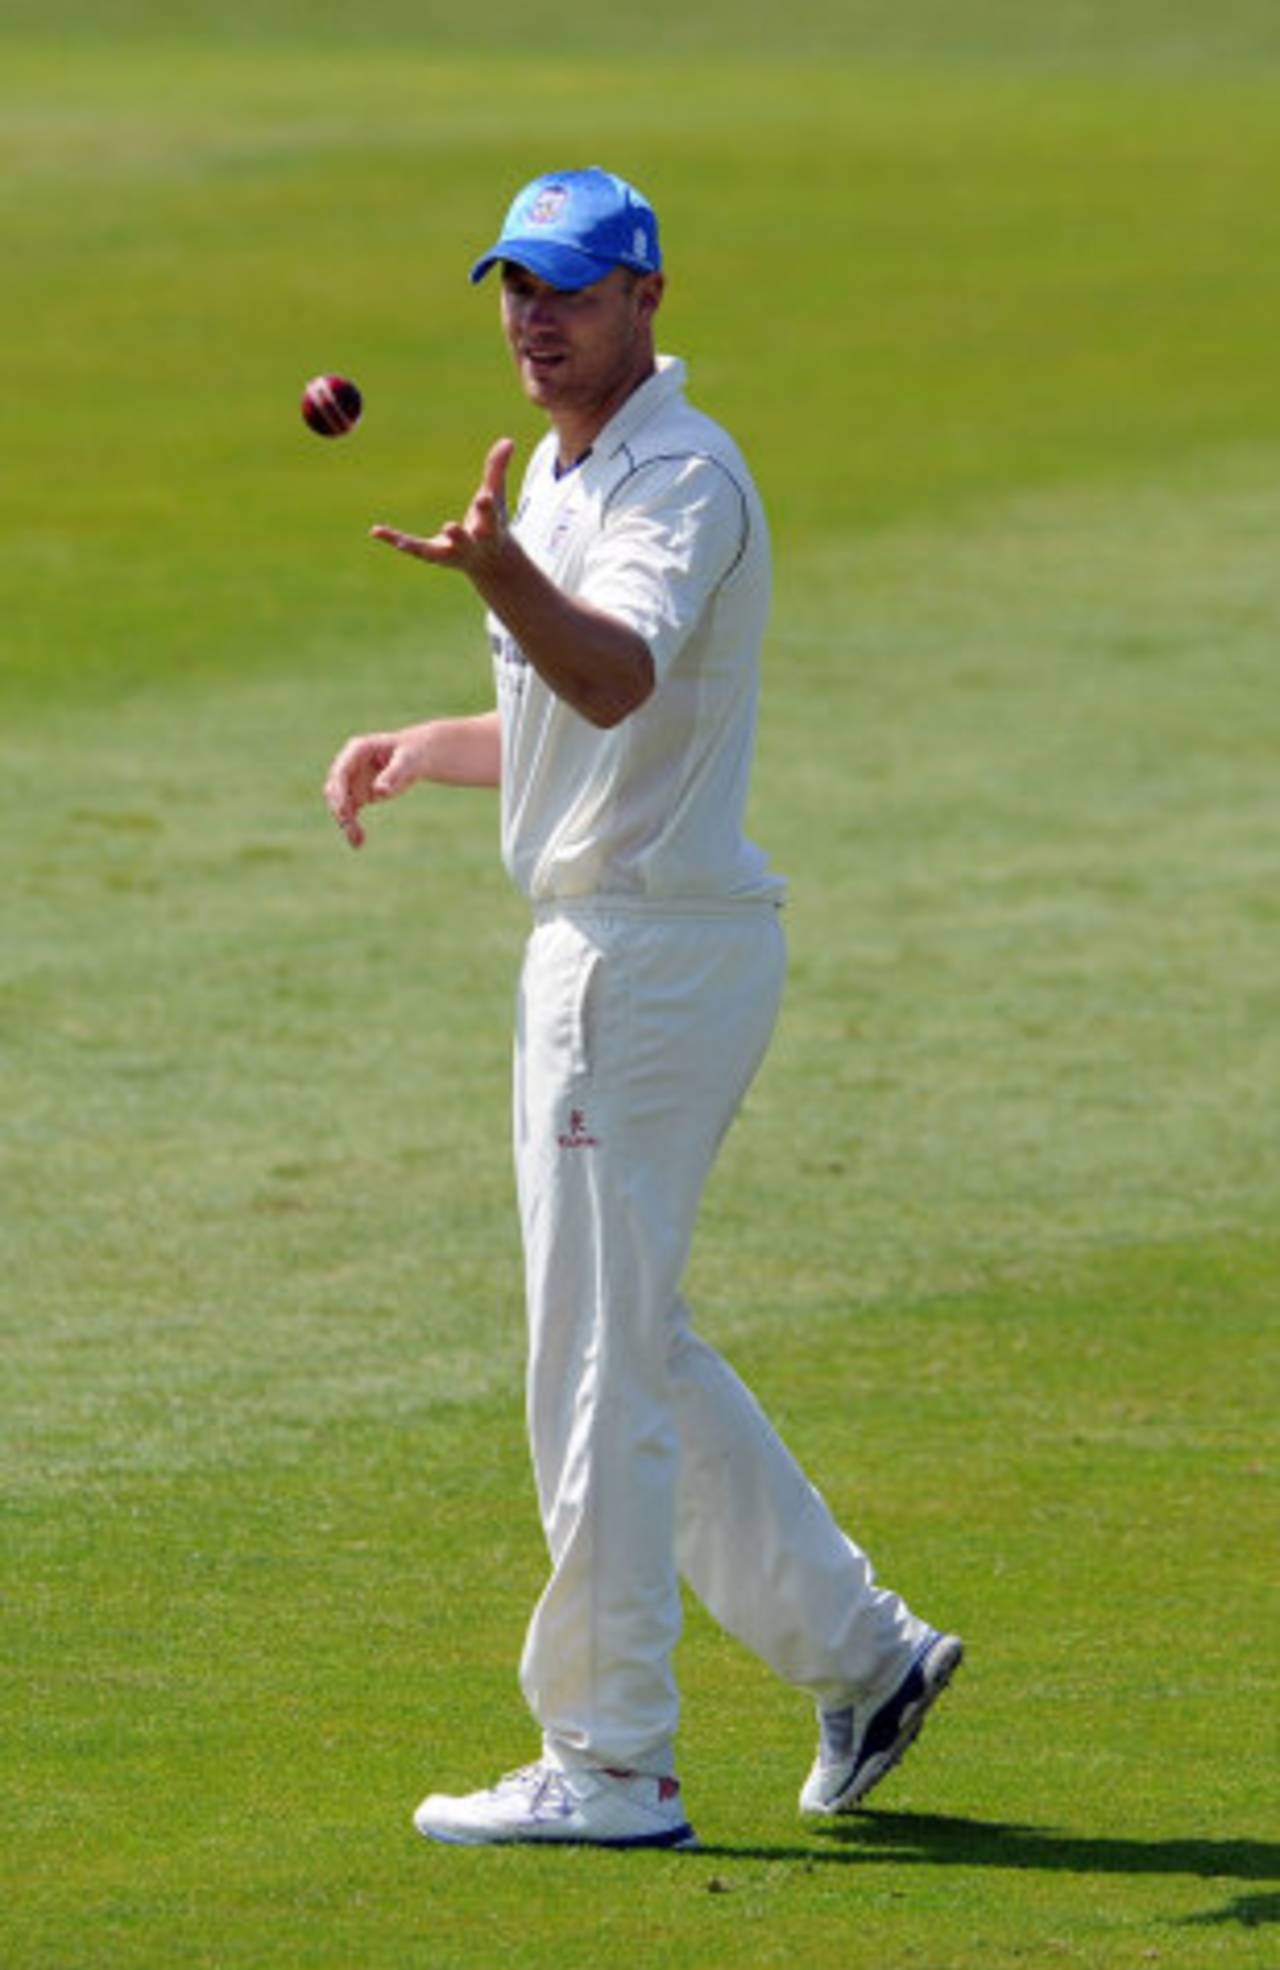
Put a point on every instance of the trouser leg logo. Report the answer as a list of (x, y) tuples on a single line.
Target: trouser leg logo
[(578, 1135)]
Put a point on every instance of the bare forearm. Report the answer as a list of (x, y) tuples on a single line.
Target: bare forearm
[(455, 752), (598, 665)]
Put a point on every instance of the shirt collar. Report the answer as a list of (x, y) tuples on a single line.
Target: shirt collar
[(658, 390)]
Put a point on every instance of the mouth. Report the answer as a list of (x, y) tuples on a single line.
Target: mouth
[(543, 361)]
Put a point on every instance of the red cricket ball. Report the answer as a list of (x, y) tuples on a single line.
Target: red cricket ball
[(332, 405)]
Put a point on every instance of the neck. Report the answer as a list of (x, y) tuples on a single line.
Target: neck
[(577, 429)]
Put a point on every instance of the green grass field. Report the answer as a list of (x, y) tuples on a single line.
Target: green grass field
[(992, 301)]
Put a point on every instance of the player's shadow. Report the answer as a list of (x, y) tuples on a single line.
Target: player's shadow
[(937, 1840)]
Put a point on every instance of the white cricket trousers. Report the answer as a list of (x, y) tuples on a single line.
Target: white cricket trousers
[(637, 1036)]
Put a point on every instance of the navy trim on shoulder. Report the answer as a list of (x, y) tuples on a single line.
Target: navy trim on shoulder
[(636, 466)]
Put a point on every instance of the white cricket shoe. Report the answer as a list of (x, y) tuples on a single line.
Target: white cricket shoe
[(858, 1744), (543, 1803)]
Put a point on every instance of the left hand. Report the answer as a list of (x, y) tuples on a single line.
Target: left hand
[(475, 544)]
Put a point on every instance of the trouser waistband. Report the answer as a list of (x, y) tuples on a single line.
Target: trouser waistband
[(649, 910)]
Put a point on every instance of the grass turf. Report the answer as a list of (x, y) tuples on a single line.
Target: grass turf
[(996, 1238)]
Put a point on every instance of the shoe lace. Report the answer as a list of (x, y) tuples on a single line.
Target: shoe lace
[(543, 1784)]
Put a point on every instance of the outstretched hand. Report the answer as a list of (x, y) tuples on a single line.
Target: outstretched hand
[(472, 545)]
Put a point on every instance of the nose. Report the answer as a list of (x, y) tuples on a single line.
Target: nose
[(540, 309)]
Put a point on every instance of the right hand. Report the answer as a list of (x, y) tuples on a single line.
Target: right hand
[(375, 766)]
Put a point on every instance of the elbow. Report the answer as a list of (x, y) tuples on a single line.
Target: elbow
[(607, 714), (610, 706)]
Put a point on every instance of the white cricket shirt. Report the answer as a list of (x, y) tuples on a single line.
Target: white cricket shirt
[(661, 527)]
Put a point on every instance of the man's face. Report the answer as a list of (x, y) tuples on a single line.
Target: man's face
[(580, 354)]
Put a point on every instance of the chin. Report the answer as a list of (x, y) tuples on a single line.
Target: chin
[(541, 388)]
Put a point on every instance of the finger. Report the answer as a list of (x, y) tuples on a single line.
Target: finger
[(337, 791), (487, 515), (394, 777), (493, 480), (496, 463), (349, 760), (406, 543), (344, 812), (347, 786), (440, 547)]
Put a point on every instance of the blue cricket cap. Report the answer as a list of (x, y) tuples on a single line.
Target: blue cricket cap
[(574, 227)]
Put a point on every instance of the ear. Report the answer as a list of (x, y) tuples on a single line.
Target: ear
[(650, 289)]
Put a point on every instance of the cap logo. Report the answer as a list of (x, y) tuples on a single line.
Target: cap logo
[(548, 206), (640, 243)]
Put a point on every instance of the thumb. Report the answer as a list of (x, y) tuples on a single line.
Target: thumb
[(493, 479), (395, 776)]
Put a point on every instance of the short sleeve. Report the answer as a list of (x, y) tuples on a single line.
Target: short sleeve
[(670, 535)]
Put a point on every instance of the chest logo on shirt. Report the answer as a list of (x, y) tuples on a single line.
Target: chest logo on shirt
[(561, 528)]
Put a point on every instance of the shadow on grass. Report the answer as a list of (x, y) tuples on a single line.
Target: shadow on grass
[(1250, 1911), (935, 1840)]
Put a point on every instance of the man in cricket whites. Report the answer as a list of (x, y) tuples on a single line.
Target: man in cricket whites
[(626, 601)]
